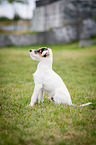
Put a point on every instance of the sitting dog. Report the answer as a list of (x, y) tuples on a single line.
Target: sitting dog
[(47, 80)]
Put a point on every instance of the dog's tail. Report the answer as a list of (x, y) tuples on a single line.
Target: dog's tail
[(82, 104)]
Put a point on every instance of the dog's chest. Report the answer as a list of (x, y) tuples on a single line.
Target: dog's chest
[(40, 77)]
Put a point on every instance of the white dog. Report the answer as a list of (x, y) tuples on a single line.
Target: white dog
[(47, 80)]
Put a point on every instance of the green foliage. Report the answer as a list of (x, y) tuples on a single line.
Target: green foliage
[(33, 32), (65, 24), (80, 20), (19, 1), (10, 1), (16, 17), (47, 123), (4, 19)]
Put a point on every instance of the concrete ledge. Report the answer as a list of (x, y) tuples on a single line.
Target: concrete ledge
[(83, 43), (18, 40), (56, 36)]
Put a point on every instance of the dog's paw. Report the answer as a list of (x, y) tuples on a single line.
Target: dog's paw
[(51, 98), (30, 105), (40, 101)]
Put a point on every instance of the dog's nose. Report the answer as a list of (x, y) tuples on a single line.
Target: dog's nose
[(30, 50)]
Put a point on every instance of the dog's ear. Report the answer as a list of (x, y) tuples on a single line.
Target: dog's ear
[(45, 53)]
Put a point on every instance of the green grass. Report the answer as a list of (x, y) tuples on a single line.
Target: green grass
[(47, 123)]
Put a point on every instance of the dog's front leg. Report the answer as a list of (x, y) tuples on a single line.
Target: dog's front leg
[(35, 94), (40, 98)]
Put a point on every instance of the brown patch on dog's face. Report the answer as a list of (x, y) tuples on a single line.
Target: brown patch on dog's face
[(40, 51)]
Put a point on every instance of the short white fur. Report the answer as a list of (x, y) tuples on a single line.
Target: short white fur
[(46, 80)]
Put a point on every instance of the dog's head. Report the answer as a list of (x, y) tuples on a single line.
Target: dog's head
[(41, 53)]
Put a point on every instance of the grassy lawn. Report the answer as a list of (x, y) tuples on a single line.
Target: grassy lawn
[(47, 123)]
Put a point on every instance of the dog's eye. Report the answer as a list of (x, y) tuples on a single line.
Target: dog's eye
[(44, 55)]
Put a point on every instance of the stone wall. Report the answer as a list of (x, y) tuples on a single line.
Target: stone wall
[(48, 17), (61, 13), (44, 2), (59, 35), (62, 21)]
